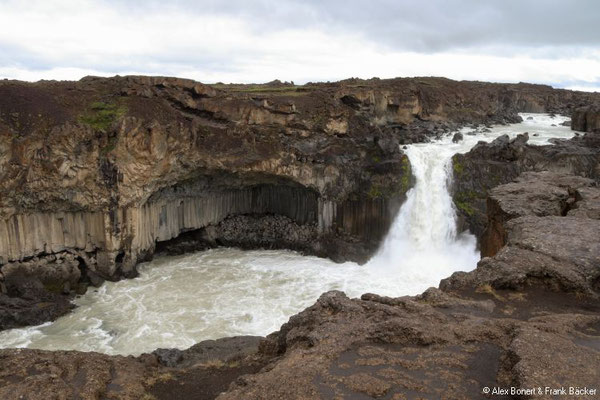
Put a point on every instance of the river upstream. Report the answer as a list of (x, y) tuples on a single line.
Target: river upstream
[(179, 301)]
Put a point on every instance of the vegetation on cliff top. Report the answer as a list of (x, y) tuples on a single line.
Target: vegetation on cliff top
[(101, 116)]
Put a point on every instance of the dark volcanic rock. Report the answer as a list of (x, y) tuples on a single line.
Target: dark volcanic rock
[(488, 165), (542, 228), (316, 168), (561, 253), (41, 375), (80, 172), (431, 346), (586, 119), (25, 301), (505, 324), (457, 137), (533, 193), (222, 350)]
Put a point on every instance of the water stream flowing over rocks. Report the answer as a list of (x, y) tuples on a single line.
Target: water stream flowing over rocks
[(179, 300)]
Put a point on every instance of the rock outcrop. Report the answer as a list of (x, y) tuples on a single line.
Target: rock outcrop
[(537, 194), (25, 301), (586, 119), (488, 165), (526, 318)]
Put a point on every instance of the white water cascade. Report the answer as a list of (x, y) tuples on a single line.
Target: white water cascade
[(178, 301), (423, 239)]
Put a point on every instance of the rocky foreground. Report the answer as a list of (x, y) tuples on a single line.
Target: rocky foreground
[(527, 317)]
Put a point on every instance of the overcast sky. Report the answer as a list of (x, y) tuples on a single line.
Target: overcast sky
[(543, 41)]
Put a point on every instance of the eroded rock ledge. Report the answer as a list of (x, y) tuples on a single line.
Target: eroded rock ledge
[(488, 165), (527, 317)]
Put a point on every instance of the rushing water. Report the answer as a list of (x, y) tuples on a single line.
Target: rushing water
[(178, 301)]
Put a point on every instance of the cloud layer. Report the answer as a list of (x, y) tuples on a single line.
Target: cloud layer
[(553, 42)]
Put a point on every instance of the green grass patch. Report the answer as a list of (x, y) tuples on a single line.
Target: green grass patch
[(465, 207), (100, 116), (464, 201)]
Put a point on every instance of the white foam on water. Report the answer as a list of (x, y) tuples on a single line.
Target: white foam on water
[(178, 301)]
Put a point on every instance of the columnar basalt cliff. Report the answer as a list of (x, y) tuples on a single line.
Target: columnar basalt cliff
[(96, 175)]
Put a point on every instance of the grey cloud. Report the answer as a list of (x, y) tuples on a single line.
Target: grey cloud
[(505, 28), (425, 26)]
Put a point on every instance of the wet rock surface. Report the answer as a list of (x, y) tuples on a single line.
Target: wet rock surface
[(527, 317), (25, 301)]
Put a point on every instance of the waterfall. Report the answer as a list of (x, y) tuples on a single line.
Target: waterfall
[(423, 237), (423, 241)]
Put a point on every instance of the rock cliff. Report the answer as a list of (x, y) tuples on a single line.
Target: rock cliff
[(586, 119), (488, 165), (97, 175)]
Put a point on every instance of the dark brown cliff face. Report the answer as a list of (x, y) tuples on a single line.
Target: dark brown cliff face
[(488, 165), (96, 175), (586, 119), (129, 162)]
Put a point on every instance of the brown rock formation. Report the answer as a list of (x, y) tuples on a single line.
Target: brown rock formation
[(537, 194), (96, 174), (488, 165), (586, 119), (527, 317)]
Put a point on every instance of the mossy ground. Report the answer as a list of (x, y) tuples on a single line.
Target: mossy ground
[(100, 116), (375, 191), (378, 190)]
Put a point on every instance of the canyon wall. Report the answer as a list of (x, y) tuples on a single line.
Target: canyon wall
[(586, 119), (96, 174), (488, 165)]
